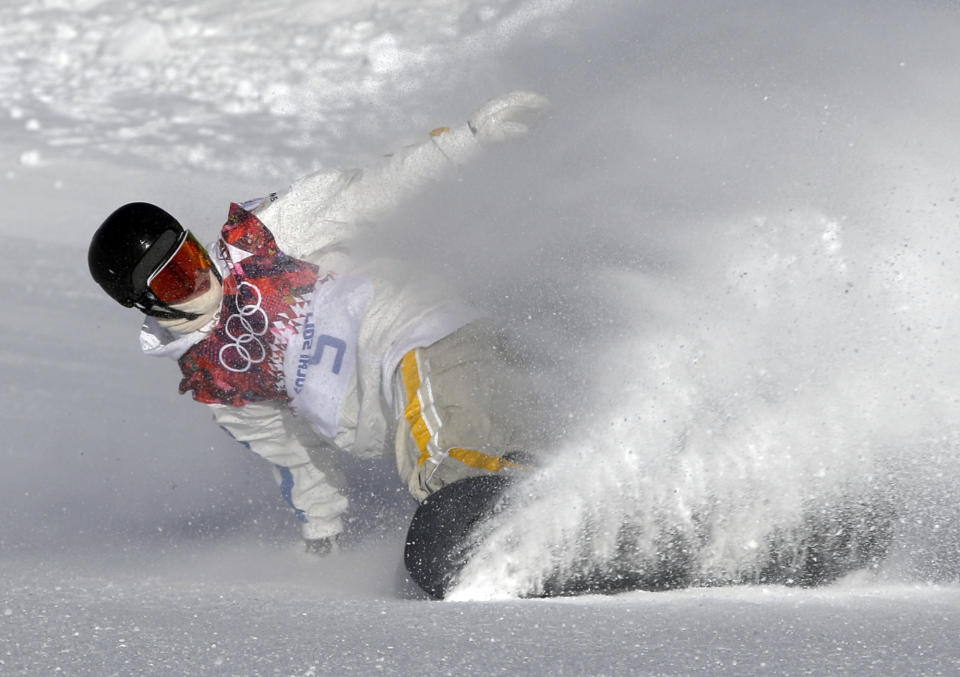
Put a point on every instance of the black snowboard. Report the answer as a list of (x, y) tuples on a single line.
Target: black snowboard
[(437, 544), (827, 543)]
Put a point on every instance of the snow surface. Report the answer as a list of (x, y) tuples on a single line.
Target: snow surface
[(731, 250)]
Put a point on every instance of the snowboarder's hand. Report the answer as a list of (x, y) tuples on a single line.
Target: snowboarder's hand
[(507, 117), (322, 546)]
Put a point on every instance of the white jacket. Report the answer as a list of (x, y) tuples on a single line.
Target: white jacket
[(384, 312)]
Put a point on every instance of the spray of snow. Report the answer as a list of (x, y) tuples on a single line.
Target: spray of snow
[(743, 318)]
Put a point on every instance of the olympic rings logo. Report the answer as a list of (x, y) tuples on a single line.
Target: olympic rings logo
[(244, 328)]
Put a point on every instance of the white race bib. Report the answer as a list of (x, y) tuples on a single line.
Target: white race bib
[(321, 362)]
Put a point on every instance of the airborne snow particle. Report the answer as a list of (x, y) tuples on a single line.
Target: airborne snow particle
[(30, 158)]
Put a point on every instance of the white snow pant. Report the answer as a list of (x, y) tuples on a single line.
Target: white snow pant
[(460, 410)]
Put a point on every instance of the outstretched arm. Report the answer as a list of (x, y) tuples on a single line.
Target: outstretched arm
[(411, 168), (322, 209)]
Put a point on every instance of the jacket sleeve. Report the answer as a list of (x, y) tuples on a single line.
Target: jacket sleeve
[(404, 173), (308, 473), (321, 211)]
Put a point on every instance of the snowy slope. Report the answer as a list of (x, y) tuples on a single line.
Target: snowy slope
[(732, 255)]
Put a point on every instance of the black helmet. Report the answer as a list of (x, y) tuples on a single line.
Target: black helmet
[(132, 243)]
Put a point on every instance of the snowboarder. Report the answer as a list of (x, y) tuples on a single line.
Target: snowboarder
[(302, 352)]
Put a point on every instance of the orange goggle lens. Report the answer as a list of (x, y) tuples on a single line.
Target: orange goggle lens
[(185, 275)]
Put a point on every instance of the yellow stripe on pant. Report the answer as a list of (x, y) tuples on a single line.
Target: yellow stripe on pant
[(420, 410), (419, 429)]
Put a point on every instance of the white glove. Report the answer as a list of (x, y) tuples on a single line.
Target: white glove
[(507, 117), (322, 546)]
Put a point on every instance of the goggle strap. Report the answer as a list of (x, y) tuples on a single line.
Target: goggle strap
[(154, 307)]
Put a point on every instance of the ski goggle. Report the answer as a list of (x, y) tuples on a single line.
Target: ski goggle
[(184, 275)]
